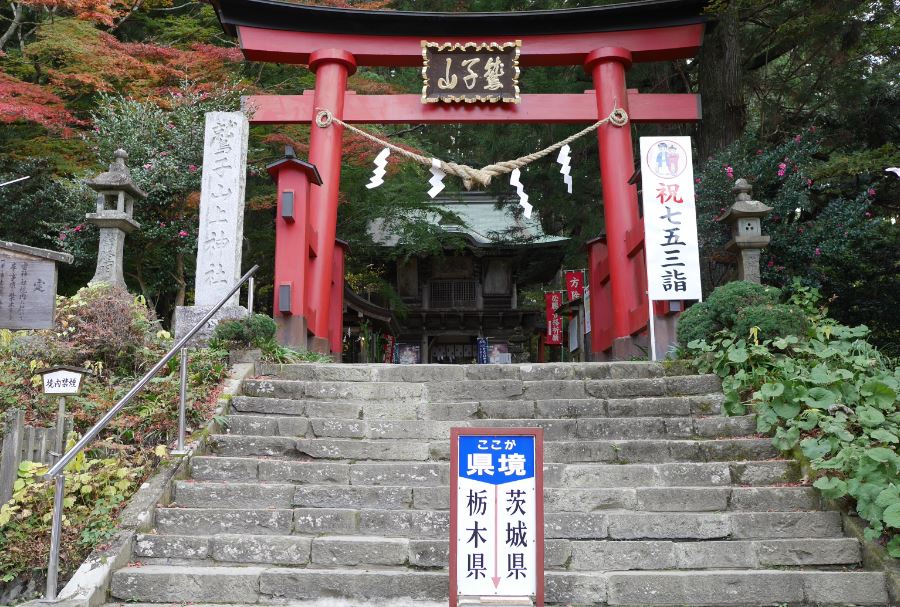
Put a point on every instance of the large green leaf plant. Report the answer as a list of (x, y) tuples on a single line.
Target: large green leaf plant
[(831, 394)]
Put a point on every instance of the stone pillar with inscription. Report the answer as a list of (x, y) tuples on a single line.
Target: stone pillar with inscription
[(116, 193), (221, 232)]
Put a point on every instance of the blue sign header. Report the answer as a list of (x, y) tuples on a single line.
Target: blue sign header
[(496, 459)]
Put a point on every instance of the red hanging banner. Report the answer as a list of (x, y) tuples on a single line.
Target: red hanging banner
[(388, 356), (553, 300), (575, 284)]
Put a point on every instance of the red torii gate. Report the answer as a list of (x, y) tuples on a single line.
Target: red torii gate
[(606, 40)]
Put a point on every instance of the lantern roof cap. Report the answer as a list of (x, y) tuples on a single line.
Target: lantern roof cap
[(290, 159), (118, 177), (744, 205)]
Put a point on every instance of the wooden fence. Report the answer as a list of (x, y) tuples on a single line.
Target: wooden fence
[(26, 443)]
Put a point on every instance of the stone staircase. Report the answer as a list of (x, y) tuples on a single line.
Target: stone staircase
[(331, 486)]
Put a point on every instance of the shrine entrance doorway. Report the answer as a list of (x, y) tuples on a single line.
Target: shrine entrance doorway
[(605, 40)]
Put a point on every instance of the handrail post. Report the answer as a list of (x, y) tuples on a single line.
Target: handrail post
[(55, 532), (182, 403), (250, 296)]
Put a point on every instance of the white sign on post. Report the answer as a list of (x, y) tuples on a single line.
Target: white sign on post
[(670, 219), (496, 543), (62, 382)]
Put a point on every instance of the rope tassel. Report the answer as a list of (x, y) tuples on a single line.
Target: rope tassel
[(471, 176)]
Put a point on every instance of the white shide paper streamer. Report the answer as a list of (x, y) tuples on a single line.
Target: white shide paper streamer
[(437, 178), (520, 189), (380, 169), (564, 159)]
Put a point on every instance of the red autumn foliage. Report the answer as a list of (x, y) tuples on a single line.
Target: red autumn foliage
[(77, 59), (98, 11), (22, 101)]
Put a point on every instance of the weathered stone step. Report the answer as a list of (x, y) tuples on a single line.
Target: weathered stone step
[(479, 409), (326, 602), (554, 429), (192, 584), (429, 373), (397, 392), (588, 555), (418, 474), (618, 451), (837, 588), (193, 494), (434, 524)]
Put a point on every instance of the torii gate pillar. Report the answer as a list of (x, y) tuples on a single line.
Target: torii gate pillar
[(624, 229), (332, 68)]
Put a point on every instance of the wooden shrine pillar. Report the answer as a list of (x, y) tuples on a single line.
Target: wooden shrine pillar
[(336, 313), (332, 68), (624, 228), (292, 245), (601, 308)]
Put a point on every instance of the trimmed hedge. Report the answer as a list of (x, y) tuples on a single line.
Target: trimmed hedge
[(254, 330), (779, 320), (725, 305)]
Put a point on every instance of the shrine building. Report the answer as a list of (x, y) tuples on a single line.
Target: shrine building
[(472, 289)]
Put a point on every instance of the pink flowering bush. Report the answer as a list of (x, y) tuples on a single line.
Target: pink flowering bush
[(827, 232)]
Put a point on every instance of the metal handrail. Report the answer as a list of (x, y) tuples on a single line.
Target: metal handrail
[(57, 472)]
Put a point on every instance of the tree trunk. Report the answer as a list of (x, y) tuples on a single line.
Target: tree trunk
[(14, 26), (720, 83)]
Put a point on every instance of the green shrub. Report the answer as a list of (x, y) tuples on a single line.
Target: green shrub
[(769, 321), (726, 301), (254, 330), (273, 352), (696, 323), (830, 394), (703, 320), (95, 490)]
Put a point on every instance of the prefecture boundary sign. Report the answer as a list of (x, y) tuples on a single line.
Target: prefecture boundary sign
[(496, 514)]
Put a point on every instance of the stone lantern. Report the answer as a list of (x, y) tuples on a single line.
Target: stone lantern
[(116, 193), (747, 239)]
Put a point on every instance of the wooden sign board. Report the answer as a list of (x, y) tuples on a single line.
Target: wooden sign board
[(470, 72), (27, 293), (61, 381)]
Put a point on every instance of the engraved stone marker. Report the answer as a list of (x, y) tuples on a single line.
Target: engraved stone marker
[(221, 232)]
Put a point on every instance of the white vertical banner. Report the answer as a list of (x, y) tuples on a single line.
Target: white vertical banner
[(587, 310), (670, 219)]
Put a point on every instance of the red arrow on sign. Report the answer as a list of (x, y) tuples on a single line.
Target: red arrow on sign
[(496, 578)]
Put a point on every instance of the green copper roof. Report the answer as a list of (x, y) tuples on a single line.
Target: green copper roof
[(482, 222)]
